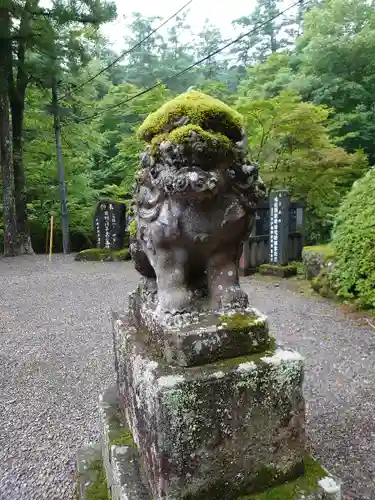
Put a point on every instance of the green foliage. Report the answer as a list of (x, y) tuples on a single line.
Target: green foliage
[(324, 284), (290, 139), (353, 241), (201, 109), (308, 102), (268, 79), (337, 64)]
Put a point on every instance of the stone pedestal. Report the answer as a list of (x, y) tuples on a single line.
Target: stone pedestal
[(124, 467), (215, 431)]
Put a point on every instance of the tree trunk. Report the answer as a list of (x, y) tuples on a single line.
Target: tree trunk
[(9, 210), (24, 240), (17, 94)]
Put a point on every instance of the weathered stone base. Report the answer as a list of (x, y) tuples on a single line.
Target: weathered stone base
[(123, 467), (119, 452), (279, 271), (232, 426), (200, 337)]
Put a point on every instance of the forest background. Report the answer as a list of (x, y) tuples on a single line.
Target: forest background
[(304, 81)]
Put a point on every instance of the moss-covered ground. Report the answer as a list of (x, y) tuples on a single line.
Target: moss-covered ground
[(103, 254)]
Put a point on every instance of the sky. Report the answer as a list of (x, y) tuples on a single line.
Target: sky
[(198, 12)]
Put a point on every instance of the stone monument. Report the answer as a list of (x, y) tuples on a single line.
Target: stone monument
[(206, 405), (110, 224)]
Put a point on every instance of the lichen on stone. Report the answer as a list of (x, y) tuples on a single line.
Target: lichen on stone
[(282, 355), (193, 108)]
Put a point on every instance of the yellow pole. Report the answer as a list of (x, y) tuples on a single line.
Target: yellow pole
[(51, 239)]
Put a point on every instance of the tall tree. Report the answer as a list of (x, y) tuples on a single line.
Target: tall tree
[(272, 28), (41, 38), (291, 141), (142, 63), (338, 65), (209, 40), (244, 50), (9, 207)]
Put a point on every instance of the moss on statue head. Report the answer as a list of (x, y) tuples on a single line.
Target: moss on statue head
[(214, 143), (199, 109)]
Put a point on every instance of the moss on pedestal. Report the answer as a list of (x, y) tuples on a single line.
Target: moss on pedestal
[(291, 490), (239, 321), (121, 437), (98, 489)]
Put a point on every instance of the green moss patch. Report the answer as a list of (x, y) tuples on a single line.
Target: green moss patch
[(213, 142), (102, 254), (280, 271), (304, 485), (199, 109), (121, 437), (118, 434), (227, 364), (326, 250), (238, 321), (98, 489)]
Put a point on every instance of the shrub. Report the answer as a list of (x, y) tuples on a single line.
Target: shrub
[(354, 243)]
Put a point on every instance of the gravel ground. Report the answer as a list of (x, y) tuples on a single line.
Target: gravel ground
[(56, 357)]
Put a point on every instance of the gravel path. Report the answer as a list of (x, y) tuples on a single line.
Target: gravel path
[(56, 357)]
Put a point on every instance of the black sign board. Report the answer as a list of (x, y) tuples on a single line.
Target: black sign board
[(110, 221)]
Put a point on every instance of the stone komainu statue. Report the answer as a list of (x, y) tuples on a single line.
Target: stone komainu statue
[(195, 201)]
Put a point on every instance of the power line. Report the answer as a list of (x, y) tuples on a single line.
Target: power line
[(126, 52), (173, 77)]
